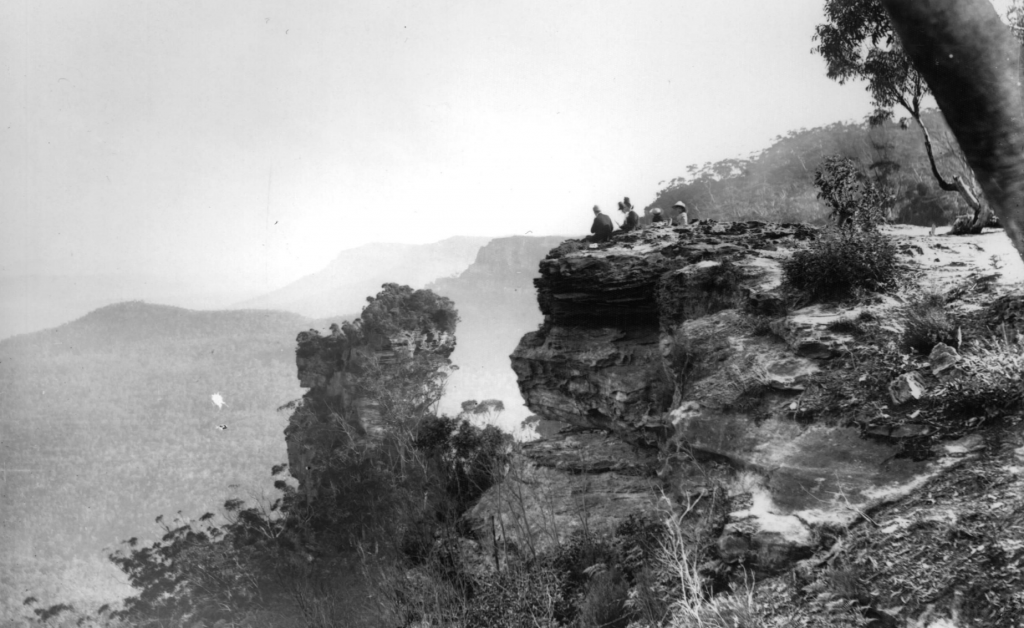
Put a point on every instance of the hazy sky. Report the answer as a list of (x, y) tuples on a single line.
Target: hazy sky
[(251, 141)]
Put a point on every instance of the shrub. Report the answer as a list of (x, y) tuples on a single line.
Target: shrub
[(694, 605), (841, 264), (397, 308), (465, 456), (519, 596), (993, 382), (604, 605), (853, 201), (927, 323), (845, 325)]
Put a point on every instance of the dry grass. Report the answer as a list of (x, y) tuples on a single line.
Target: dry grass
[(928, 322)]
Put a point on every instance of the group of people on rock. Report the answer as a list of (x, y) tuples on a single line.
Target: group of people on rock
[(603, 228)]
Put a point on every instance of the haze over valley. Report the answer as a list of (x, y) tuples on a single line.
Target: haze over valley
[(266, 268)]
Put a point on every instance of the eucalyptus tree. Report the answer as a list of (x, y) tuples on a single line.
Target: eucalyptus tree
[(971, 62), (857, 42)]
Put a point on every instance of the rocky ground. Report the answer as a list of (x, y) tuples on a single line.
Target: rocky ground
[(847, 473)]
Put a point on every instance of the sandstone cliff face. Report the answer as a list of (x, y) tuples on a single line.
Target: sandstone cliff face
[(600, 361), (672, 348)]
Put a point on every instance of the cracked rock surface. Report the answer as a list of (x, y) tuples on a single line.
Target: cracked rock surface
[(669, 349)]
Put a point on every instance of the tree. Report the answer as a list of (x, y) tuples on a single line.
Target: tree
[(853, 200), (971, 61), (351, 440), (858, 42)]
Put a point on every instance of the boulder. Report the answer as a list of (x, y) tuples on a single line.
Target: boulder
[(906, 387), (944, 360)]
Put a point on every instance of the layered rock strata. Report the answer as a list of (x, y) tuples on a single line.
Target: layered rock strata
[(610, 315), (677, 343)]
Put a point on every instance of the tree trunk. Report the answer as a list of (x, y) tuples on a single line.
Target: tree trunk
[(982, 212), (970, 60)]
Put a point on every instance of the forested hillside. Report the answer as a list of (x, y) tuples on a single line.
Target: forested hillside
[(777, 184), (108, 421)]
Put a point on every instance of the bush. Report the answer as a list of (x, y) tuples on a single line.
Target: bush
[(853, 201), (841, 264), (927, 323), (465, 457), (845, 325), (604, 605), (993, 382)]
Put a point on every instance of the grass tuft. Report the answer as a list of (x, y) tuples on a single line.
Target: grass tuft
[(926, 323)]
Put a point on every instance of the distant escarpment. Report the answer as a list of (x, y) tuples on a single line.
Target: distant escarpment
[(340, 287), (496, 304), (502, 264), (688, 377)]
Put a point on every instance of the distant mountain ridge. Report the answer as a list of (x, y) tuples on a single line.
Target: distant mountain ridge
[(108, 421), (111, 327), (343, 285), (31, 302), (115, 407)]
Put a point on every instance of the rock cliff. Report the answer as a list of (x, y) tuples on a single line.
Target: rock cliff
[(347, 379), (684, 377)]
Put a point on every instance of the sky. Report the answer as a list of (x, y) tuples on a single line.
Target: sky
[(246, 143)]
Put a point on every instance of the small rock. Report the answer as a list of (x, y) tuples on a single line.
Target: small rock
[(944, 361), (768, 542), (686, 410), (966, 445), (906, 387), (900, 432), (814, 349)]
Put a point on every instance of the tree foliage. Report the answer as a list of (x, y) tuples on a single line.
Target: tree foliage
[(393, 492), (857, 42), (853, 200), (202, 570), (777, 184)]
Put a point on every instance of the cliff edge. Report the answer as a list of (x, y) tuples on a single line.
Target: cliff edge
[(690, 382)]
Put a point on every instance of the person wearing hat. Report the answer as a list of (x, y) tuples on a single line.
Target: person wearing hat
[(682, 218), (656, 217), (602, 227), (631, 221)]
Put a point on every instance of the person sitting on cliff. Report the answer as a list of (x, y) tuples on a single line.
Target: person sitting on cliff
[(682, 218), (631, 221), (657, 220), (602, 227)]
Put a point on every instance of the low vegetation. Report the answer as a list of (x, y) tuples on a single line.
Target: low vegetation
[(842, 264), (992, 384), (928, 322), (851, 257)]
